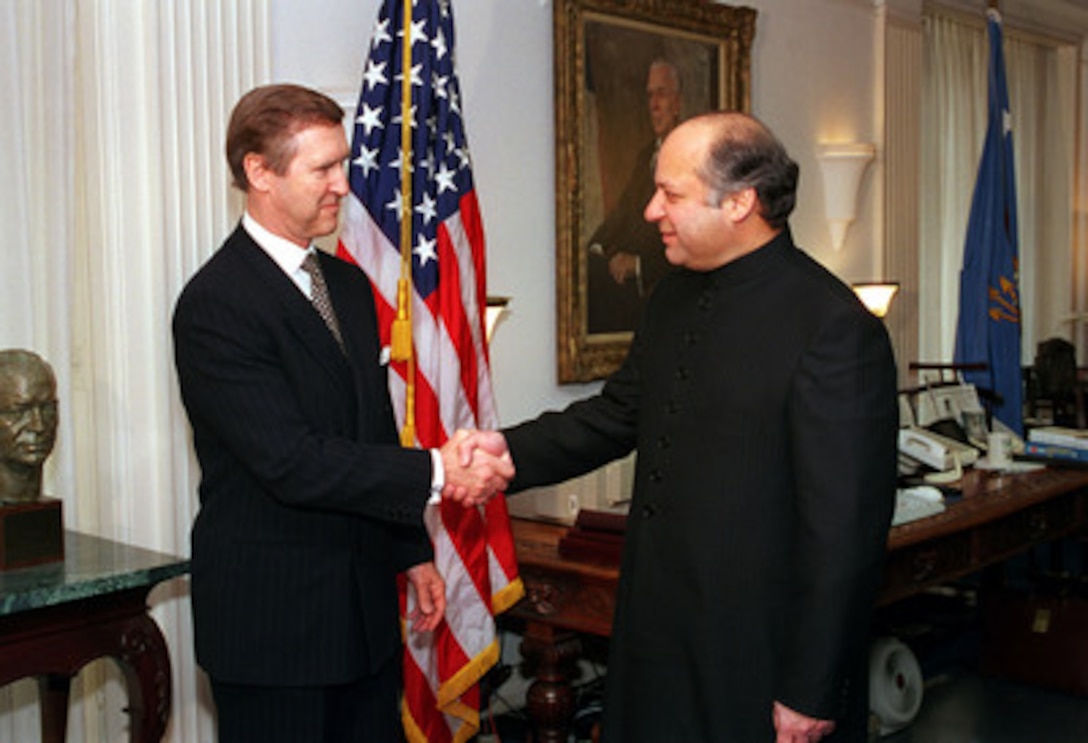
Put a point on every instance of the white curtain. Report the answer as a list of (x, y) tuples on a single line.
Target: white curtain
[(115, 190), (1041, 78)]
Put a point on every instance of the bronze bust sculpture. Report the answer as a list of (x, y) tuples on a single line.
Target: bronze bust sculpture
[(28, 423)]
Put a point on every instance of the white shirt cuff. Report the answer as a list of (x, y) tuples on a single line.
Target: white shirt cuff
[(438, 478)]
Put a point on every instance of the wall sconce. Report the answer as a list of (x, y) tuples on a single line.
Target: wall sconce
[(842, 166), (496, 306), (876, 296)]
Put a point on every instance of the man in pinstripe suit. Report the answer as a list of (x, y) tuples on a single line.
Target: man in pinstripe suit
[(309, 507)]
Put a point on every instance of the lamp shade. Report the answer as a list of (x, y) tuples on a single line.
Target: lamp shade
[(876, 296), (842, 166), (495, 307)]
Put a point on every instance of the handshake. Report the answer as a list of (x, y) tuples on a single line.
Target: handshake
[(477, 464)]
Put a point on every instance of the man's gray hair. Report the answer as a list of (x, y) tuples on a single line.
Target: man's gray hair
[(744, 154)]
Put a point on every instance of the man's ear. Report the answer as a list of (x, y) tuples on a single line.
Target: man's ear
[(257, 171), (739, 205)]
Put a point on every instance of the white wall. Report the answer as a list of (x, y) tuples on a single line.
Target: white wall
[(812, 79)]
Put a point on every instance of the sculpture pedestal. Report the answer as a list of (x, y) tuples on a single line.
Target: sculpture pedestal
[(31, 533)]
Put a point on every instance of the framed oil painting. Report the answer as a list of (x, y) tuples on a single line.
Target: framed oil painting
[(626, 72)]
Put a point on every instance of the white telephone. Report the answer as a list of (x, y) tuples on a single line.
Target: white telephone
[(933, 450)]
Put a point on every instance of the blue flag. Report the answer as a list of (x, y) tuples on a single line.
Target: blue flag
[(988, 330)]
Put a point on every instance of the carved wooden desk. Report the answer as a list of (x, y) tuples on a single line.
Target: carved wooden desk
[(998, 516), (56, 618)]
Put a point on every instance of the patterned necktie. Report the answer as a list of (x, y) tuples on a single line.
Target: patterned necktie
[(319, 295)]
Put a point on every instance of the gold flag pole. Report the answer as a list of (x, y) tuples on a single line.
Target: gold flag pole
[(401, 340)]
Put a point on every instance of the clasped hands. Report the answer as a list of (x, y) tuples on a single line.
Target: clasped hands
[(477, 464)]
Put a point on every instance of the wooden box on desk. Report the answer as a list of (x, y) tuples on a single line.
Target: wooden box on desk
[(597, 536), (31, 533), (1037, 639)]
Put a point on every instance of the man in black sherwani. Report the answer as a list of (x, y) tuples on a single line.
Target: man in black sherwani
[(761, 398)]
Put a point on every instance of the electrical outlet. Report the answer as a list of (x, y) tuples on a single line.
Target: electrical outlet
[(573, 504)]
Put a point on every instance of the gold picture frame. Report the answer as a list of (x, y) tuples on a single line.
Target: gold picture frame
[(607, 55)]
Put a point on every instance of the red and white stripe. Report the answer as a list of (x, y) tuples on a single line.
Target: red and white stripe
[(473, 547)]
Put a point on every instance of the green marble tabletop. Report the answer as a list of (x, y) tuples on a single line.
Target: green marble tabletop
[(92, 567)]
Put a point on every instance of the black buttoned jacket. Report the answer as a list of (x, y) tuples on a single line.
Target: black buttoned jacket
[(761, 398)]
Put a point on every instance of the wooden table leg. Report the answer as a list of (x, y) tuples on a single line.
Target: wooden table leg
[(53, 701), (145, 662), (550, 698), (56, 642)]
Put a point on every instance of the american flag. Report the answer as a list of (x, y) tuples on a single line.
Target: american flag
[(450, 382)]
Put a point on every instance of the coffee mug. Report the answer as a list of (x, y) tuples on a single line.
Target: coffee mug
[(999, 449)]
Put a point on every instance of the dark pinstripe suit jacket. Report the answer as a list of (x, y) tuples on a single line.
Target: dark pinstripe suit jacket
[(309, 507)]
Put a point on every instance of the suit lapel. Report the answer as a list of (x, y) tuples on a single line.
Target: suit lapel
[(298, 314), (353, 300), (354, 311)]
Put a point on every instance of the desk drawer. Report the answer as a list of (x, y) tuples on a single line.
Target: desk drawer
[(914, 568), (1042, 523), (1038, 640), (566, 600)]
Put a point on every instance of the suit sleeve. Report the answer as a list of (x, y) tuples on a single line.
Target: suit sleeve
[(843, 421), (586, 435), (259, 408)]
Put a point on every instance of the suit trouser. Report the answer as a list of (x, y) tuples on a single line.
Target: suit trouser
[(365, 711)]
